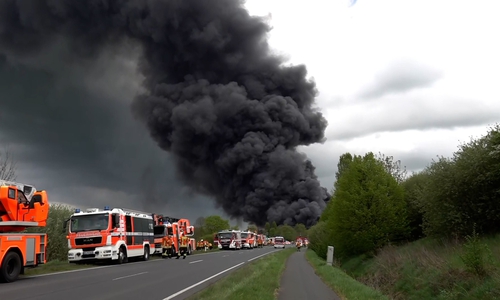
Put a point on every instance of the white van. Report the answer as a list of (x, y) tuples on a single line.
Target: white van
[(279, 242)]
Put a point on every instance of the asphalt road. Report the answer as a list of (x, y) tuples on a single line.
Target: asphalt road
[(300, 281), (167, 279)]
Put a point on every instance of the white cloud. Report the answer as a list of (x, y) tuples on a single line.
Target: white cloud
[(430, 69)]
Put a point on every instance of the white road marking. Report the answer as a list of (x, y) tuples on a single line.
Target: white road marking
[(196, 261), (262, 255), (198, 283), (129, 276)]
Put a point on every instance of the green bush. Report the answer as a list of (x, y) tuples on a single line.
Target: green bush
[(368, 208), (318, 236), (477, 256), (463, 190), (57, 246)]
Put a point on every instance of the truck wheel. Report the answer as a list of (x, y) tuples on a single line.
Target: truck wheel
[(122, 256), (11, 267), (145, 257)]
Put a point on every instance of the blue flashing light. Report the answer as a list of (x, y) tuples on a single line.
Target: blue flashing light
[(106, 207), (77, 210)]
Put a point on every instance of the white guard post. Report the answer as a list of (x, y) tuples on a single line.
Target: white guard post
[(329, 255)]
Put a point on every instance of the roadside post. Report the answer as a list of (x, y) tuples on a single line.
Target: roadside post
[(329, 255)]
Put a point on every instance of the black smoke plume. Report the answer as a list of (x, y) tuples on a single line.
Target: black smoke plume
[(218, 99)]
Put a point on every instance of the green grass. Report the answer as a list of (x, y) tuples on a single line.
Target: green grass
[(344, 285), (430, 269), (258, 280)]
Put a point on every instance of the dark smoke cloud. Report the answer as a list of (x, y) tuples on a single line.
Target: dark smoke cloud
[(216, 97)]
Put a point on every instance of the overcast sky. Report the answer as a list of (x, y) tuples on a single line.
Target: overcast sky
[(410, 79)]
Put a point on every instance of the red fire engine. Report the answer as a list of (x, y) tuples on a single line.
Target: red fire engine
[(176, 229)]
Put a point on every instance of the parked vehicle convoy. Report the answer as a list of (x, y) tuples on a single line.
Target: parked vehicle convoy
[(110, 234), (230, 239), (21, 206), (176, 229)]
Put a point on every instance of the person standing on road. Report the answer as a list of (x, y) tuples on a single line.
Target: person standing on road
[(167, 246), (183, 249), (298, 243)]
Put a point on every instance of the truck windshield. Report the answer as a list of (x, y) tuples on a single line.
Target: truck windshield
[(279, 240), (226, 235), (244, 235), (89, 222)]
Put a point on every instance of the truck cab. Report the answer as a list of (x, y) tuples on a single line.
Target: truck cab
[(21, 206)]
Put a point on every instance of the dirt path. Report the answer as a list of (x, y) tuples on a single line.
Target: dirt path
[(299, 282)]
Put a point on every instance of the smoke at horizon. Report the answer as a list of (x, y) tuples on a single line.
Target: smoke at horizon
[(215, 97)]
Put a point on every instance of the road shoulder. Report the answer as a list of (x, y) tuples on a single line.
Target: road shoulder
[(299, 281)]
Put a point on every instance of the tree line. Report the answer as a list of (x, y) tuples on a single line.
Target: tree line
[(376, 203)]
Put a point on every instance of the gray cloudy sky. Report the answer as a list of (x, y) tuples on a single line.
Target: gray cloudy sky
[(388, 82)]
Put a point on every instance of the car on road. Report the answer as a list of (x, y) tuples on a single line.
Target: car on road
[(279, 242)]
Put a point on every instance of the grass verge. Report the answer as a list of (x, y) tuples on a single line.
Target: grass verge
[(258, 280), (433, 269), (344, 285)]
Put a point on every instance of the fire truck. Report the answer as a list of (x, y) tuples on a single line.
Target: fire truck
[(176, 229), (230, 239), (261, 240), (216, 240), (21, 207), (110, 234), (248, 240)]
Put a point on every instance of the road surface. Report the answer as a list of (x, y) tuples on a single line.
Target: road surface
[(167, 279), (299, 281)]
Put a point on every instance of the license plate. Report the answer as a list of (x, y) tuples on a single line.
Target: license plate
[(88, 252)]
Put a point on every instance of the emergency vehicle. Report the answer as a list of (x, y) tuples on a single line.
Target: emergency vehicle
[(111, 234), (21, 207), (248, 240), (279, 242), (216, 240), (229, 239), (176, 229), (262, 239)]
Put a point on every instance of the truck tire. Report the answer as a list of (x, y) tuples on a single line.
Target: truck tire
[(122, 256), (11, 267), (145, 257)]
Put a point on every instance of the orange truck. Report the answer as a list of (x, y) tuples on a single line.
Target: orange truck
[(21, 207), (248, 239), (261, 240), (176, 229)]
